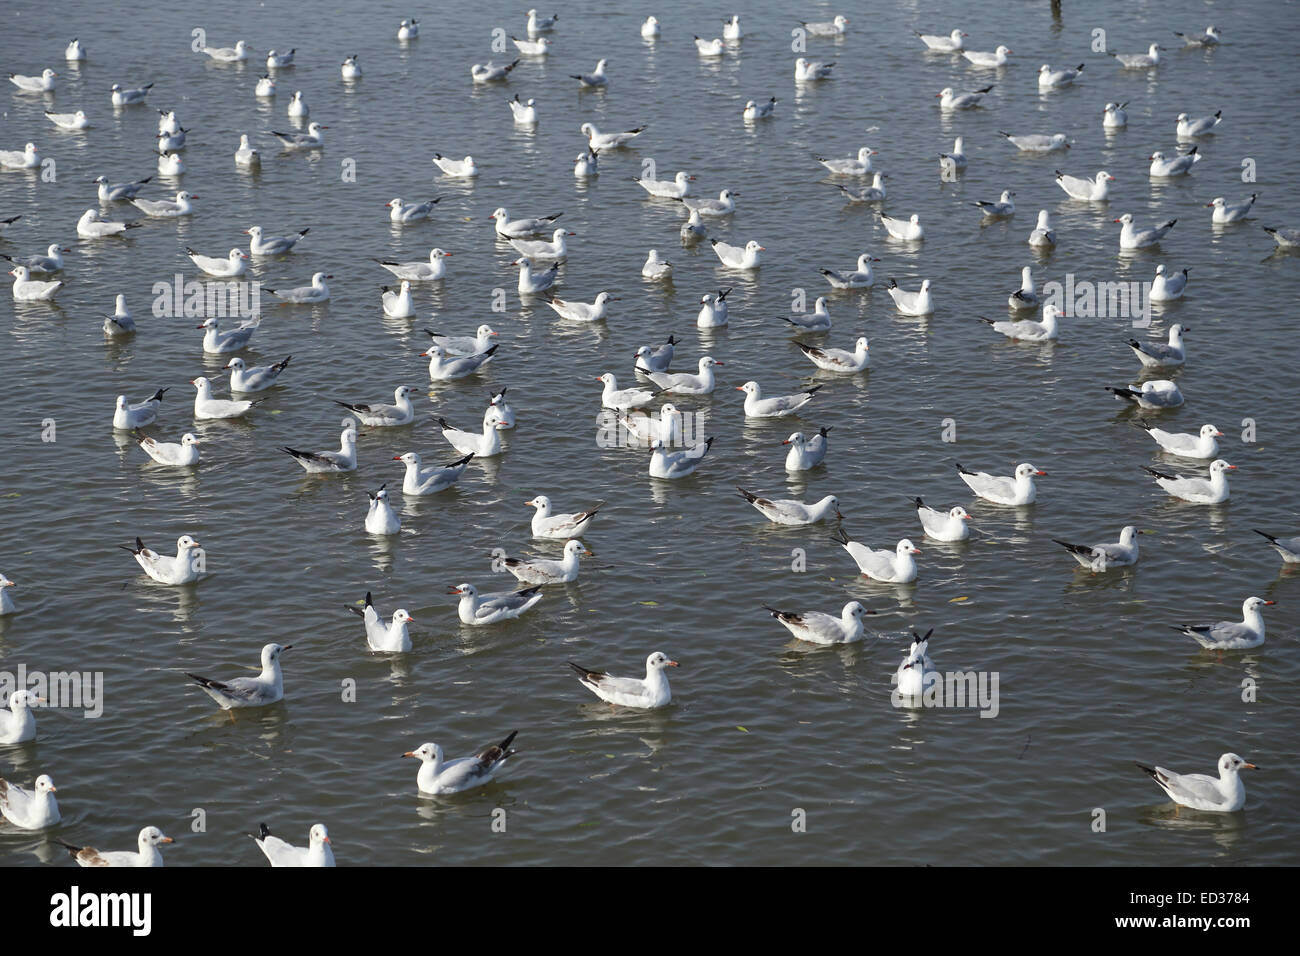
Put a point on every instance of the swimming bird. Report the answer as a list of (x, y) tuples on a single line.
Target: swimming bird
[(52, 261), (1026, 297), (858, 165), (673, 465), (839, 360), (952, 43), (1225, 211), (756, 111), (656, 267), (456, 168), (1139, 61), (34, 809), (1049, 79), (1210, 37), (1189, 127), (790, 511), (1201, 445), (7, 605), (1106, 555), (807, 71), (540, 46), (1198, 491), (265, 86), (313, 138), (950, 99), (777, 406), (439, 776), (545, 571), (146, 854), (35, 84), (446, 368), (208, 407), (710, 48), (399, 304), (859, 278), (1288, 548), (1003, 207), (596, 79), (950, 525), (807, 453), (1130, 237), (1027, 330), (873, 193), (318, 852), (890, 567), (508, 228), (479, 609), (311, 294), (74, 121), (129, 96), (408, 29), (817, 627), (227, 54), (604, 142), (819, 320), (658, 359), (127, 417), (474, 344), (646, 693), (188, 565), (298, 107), (545, 250), (182, 454), (276, 60), (120, 322), (1016, 490), (531, 282), (1037, 142), (920, 302), (746, 257), (1159, 355), (1096, 189), (674, 188), (484, 444), (263, 245), (525, 114), (323, 462), (987, 60), (724, 205), (266, 688), (246, 155), (1152, 394), (546, 524), (686, 383), (380, 516), (166, 208), (350, 68), (826, 28), (420, 480), (29, 157), (906, 230), (17, 723), (1043, 236), (217, 341), (1114, 116), (75, 51), (1231, 635), (1285, 238), (379, 415), (1199, 791)]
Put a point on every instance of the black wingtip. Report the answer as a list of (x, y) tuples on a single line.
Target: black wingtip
[(1271, 538)]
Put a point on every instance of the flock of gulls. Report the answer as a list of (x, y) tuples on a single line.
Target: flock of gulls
[(1200, 477)]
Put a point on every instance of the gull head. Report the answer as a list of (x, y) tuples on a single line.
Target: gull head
[(410, 458), (185, 543), (426, 753), (959, 513), (271, 653), (318, 835), (402, 616), (1219, 466), (540, 502), (468, 590), (1209, 431), (1026, 470), (1231, 763), (23, 698), (658, 661), (189, 439), (906, 547), (45, 785), (152, 836), (573, 546)]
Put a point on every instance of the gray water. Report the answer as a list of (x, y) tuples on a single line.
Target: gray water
[(1091, 677)]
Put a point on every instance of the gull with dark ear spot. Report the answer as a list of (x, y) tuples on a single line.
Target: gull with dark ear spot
[(318, 852), (379, 415), (1166, 287), (1197, 791), (439, 776), (429, 481), (182, 569), (1197, 490), (1106, 555), (807, 453), (1184, 444), (149, 840), (546, 571), (889, 567), (390, 638), (34, 809), (323, 462), (948, 525), (789, 511), (1160, 355), (648, 693), (819, 628), (479, 609), (255, 378), (678, 464), (1231, 635), (1016, 490), (266, 688), (546, 524)]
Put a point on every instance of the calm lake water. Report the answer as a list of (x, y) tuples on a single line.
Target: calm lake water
[(1091, 677)]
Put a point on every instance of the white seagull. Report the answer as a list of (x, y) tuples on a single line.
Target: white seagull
[(429, 481), (318, 851), (438, 776), (479, 609), (321, 462), (817, 627), (185, 568), (1017, 490), (1198, 791), (890, 567), (266, 688), (1198, 491), (1201, 445), (790, 511), (1107, 554), (642, 694), (950, 525), (1231, 635)]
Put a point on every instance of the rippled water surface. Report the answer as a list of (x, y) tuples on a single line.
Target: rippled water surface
[(1091, 676)]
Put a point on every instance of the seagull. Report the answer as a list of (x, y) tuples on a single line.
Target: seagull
[(1037, 142), (350, 68), (216, 341), (1198, 791), (429, 481), (952, 43), (1225, 211), (1201, 445), (525, 114), (475, 344), (1152, 394), (317, 291), (873, 193), (120, 322), (949, 99), (622, 399), (127, 416), (1026, 297), (756, 111), (1027, 330), (380, 517), (266, 688), (538, 24), (438, 776), (146, 855), (1107, 555), (948, 525), (208, 407), (75, 120), (738, 257), (710, 48), (906, 230), (920, 302), (182, 454), (731, 28), (1043, 236), (185, 568), (596, 79), (1288, 548), (756, 406), (559, 526), (859, 278), (399, 211), (508, 228), (29, 157), (34, 84), (819, 628), (260, 245), (724, 205), (656, 267), (789, 511), (419, 271), (1209, 38), (456, 168), (586, 165), (839, 360), (74, 52), (826, 28), (673, 465), (856, 166), (478, 609), (1231, 635), (1114, 116), (674, 188), (1198, 491), (1004, 206), (818, 321), (686, 383), (166, 208), (484, 444), (1133, 238), (917, 672), (123, 96), (171, 142), (806, 453), (650, 28), (298, 107), (950, 163), (34, 809), (604, 142), (275, 60), (1096, 189), (1140, 61), (1163, 167), (318, 851), (246, 155), (378, 415), (227, 54), (1191, 127), (642, 694), (544, 571), (168, 122), (52, 261), (1017, 490), (1285, 238), (656, 360), (539, 47), (399, 304), (890, 567), (1158, 355), (312, 139), (385, 638), (345, 459), (169, 164), (446, 368), (17, 724), (408, 29), (988, 60), (1049, 79), (531, 282), (265, 86), (546, 250), (806, 70)]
